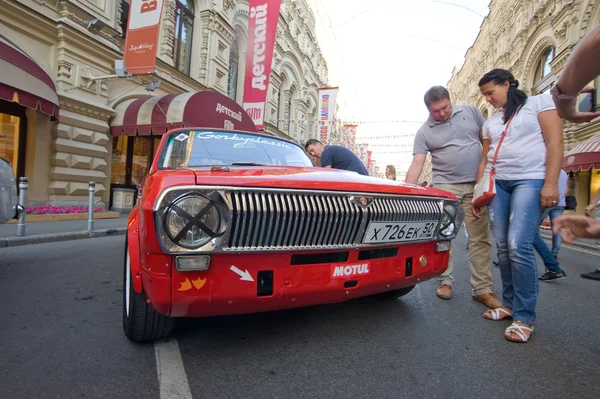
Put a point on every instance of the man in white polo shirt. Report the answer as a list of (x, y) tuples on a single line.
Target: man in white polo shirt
[(452, 134)]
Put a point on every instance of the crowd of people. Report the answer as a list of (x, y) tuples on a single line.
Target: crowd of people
[(522, 147)]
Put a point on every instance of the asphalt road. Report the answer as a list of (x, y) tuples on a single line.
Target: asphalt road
[(61, 337)]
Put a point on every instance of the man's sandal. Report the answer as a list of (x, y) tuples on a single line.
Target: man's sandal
[(497, 314), (519, 331)]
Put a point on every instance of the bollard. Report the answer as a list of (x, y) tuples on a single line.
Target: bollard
[(23, 186), (91, 191)]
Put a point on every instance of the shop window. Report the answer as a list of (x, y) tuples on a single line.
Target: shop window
[(142, 158), (184, 23), (131, 159), (594, 182), (13, 130), (543, 78), (234, 60), (124, 16), (119, 161)]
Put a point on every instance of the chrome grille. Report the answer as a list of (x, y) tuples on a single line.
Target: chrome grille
[(404, 210), (274, 220)]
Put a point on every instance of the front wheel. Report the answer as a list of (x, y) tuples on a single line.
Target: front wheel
[(394, 294), (141, 323)]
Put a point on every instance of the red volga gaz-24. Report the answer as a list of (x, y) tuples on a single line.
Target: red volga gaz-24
[(231, 222)]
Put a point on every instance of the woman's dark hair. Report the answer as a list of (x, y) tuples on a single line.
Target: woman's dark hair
[(515, 97)]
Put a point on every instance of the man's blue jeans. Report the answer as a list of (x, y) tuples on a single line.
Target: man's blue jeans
[(548, 256), (515, 216)]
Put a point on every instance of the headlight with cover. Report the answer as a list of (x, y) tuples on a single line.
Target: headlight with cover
[(452, 218), (193, 220)]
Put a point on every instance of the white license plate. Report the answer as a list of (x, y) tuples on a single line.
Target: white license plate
[(387, 232)]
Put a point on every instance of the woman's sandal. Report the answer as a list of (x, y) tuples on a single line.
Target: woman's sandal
[(497, 314), (519, 330)]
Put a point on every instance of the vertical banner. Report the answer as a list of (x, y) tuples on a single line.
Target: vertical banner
[(350, 136), (327, 97), (142, 34), (262, 29)]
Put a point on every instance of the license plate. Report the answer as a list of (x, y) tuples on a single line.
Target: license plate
[(387, 232)]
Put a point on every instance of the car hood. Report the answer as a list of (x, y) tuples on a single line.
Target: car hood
[(308, 179)]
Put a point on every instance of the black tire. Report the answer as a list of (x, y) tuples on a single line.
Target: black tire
[(141, 323), (394, 294)]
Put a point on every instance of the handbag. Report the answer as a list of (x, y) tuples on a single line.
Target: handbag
[(485, 189)]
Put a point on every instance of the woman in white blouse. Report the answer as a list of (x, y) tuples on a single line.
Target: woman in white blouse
[(527, 170)]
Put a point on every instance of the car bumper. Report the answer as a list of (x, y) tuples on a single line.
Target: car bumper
[(226, 289)]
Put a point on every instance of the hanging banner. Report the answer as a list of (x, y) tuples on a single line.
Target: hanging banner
[(262, 29), (327, 97), (350, 136), (142, 35)]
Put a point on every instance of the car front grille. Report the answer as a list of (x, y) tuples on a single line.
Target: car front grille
[(306, 220)]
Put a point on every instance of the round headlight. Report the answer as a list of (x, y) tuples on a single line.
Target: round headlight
[(192, 221), (449, 215)]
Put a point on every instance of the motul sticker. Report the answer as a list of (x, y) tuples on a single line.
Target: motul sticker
[(344, 271)]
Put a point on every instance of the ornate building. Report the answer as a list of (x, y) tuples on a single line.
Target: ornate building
[(72, 46), (532, 39)]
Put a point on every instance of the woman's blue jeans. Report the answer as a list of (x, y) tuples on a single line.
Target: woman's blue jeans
[(515, 216)]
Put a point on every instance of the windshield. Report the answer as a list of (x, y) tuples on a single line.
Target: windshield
[(198, 148)]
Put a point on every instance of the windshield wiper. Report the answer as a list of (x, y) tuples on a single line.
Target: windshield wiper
[(249, 164)]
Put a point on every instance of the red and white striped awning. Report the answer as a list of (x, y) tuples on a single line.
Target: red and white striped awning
[(584, 156), (156, 115), (23, 81)]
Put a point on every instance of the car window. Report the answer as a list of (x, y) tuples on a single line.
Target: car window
[(198, 148)]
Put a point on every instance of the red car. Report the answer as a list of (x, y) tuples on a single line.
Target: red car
[(232, 222)]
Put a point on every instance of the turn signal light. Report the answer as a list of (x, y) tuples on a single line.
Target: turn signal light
[(192, 263), (442, 246)]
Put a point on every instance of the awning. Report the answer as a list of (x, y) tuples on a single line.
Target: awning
[(156, 115), (23, 81), (584, 156)]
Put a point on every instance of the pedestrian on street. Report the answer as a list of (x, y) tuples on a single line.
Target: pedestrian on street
[(526, 178), (550, 257), (335, 156), (390, 172), (452, 134)]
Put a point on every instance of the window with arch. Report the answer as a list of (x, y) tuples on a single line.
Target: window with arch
[(543, 77), (280, 113), (184, 26), (288, 109), (234, 62), (311, 125)]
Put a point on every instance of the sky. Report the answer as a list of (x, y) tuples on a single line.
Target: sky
[(384, 55)]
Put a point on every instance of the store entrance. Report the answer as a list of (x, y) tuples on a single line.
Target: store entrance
[(13, 132), (131, 160)]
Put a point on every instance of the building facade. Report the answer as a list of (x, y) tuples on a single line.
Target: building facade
[(74, 45), (533, 39)]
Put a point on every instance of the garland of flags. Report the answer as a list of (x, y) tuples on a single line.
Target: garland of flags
[(336, 122)]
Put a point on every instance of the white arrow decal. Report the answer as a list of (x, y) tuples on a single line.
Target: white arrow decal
[(245, 276)]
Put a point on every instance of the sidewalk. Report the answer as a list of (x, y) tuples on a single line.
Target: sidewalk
[(39, 232)]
